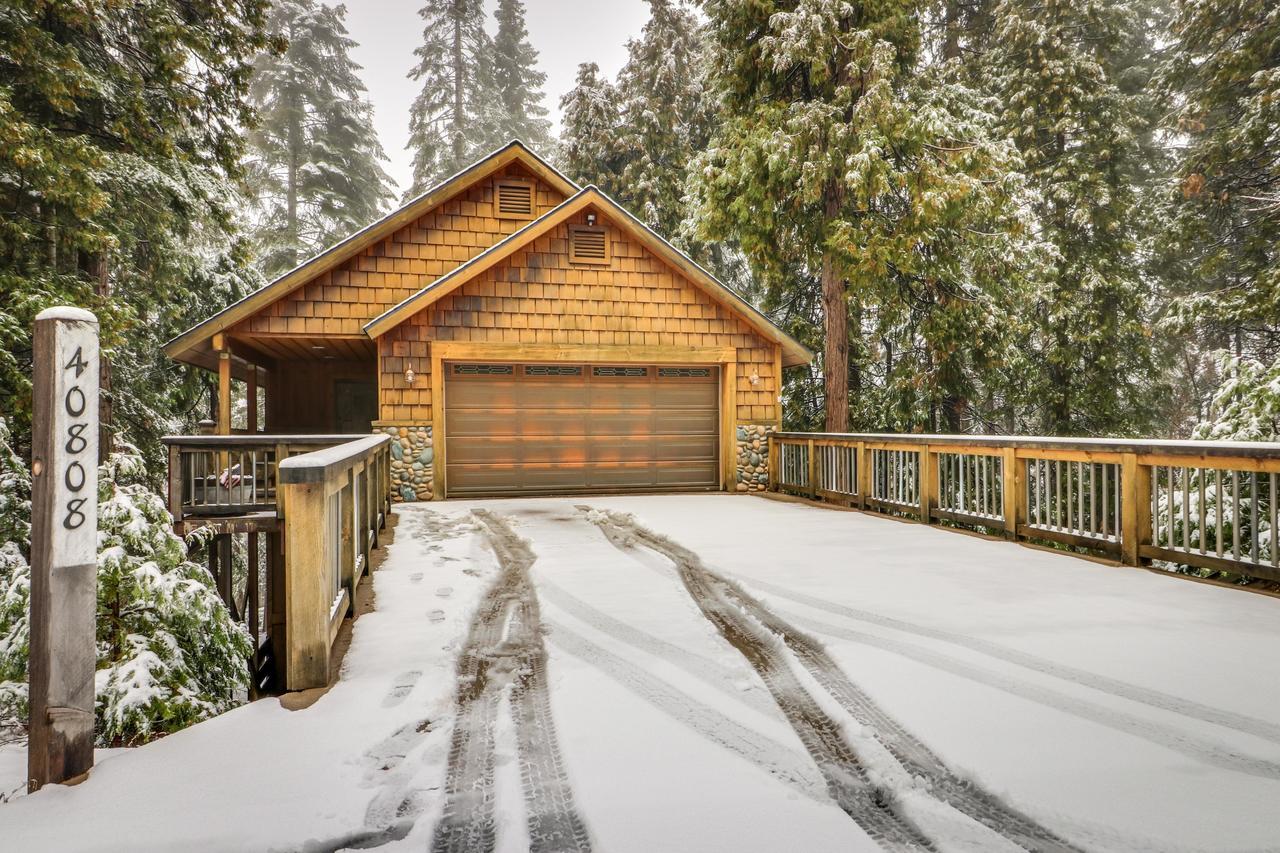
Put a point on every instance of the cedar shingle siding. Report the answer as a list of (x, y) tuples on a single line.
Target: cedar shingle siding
[(538, 297)]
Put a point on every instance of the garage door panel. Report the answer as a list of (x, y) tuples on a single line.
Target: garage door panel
[(551, 429), (477, 392), (684, 422), (685, 395), (561, 393)]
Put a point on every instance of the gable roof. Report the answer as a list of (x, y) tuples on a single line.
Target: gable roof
[(513, 152), (793, 352)]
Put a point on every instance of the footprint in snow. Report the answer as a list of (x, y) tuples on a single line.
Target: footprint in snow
[(404, 684), (416, 577), (444, 592), (436, 616)]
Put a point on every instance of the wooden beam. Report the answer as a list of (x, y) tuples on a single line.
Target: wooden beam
[(728, 424), (224, 387), (251, 400), (1013, 475), (1135, 509), (439, 473), (306, 597), (927, 471), (622, 354)]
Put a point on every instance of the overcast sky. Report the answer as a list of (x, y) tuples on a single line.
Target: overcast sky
[(387, 31)]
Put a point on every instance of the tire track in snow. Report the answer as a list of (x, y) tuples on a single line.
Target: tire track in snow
[(769, 755), (1263, 729), (848, 780), (725, 599), (722, 678), (554, 823), (1168, 737), (504, 655)]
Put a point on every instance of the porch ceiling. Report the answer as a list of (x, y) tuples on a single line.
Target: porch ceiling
[(305, 348)]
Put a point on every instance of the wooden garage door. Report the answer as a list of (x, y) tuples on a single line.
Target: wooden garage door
[(564, 428)]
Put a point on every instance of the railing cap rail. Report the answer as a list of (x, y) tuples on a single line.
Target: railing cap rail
[(1258, 449), (256, 439), (319, 465)]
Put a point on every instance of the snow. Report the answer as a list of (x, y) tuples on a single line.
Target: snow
[(1116, 708)]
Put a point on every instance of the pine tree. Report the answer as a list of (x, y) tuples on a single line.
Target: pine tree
[(589, 126), (121, 128), (836, 159), (665, 119), (454, 117), (1070, 78), (315, 163), (519, 82), (1221, 246)]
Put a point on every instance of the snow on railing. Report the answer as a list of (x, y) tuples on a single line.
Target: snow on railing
[(334, 501), (1209, 504)]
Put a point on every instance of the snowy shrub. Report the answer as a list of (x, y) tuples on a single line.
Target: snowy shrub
[(15, 584), (15, 593), (1246, 406), (15, 494), (169, 653)]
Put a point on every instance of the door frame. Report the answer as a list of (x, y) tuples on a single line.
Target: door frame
[(447, 351)]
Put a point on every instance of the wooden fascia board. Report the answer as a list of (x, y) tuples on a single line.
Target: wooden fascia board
[(593, 353), (328, 259), (793, 351), (460, 275)]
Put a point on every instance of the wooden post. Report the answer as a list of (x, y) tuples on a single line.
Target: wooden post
[(347, 539), (224, 384), (927, 471), (813, 472), (1135, 509), (175, 482), (1013, 475), (306, 595), (864, 474), (251, 399), (64, 525)]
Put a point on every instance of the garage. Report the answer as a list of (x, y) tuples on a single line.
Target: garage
[(557, 428)]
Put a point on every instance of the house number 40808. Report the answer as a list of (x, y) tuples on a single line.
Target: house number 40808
[(75, 477)]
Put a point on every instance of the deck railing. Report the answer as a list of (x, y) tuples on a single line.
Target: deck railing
[(1198, 503), (237, 487), (213, 476), (334, 502)]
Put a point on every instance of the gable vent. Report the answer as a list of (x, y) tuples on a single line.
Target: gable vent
[(513, 199), (588, 244)]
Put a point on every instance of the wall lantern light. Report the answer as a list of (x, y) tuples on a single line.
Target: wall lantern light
[(409, 375), (755, 378)]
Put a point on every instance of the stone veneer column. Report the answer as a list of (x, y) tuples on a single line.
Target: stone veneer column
[(753, 457), (412, 458)]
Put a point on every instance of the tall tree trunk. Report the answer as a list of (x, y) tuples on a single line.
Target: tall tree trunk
[(458, 151), (835, 311)]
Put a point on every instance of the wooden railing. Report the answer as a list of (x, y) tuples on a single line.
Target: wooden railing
[(334, 502), (212, 476), (1197, 503)]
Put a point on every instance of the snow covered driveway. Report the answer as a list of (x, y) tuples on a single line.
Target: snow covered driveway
[(707, 673)]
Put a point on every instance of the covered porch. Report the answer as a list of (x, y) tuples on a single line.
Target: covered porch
[(289, 384)]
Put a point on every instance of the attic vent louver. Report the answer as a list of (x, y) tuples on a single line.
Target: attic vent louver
[(513, 199), (588, 244)]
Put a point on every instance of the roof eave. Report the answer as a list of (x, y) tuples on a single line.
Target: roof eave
[(794, 353), (348, 247)]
